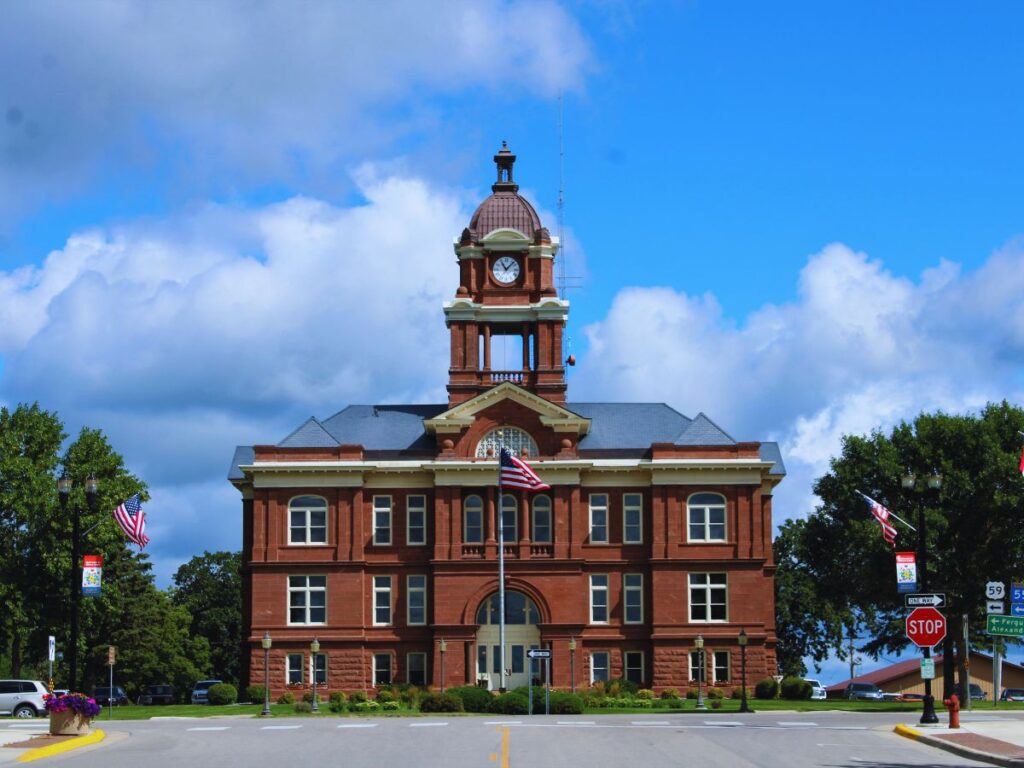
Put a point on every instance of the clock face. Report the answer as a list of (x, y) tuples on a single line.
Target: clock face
[(505, 270)]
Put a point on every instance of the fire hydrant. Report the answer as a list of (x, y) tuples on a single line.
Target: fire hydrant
[(953, 705)]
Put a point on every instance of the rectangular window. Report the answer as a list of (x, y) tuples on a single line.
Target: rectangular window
[(706, 517), (599, 518), (599, 666), (695, 666), (416, 520), (599, 599), (307, 599), (633, 598), (381, 600), (634, 664), (542, 519), (509, 518), (708, 597), (481, 660), (381, 520), (416, 668), (721, 668), (295, 669), (320, 668), (307, 524), (416, 595), (518, 657), (632, 518), (473, 520), (382, 669)]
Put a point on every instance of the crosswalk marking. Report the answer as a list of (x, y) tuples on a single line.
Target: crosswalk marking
[(797, 723), (358, 725), (211, 728), (280, 727), (650, 722), (426, 725)]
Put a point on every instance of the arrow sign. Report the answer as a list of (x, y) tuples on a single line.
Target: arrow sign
[(932, 600), (539, 653)]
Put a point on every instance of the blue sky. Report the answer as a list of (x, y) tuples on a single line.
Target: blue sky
[(803, 219)]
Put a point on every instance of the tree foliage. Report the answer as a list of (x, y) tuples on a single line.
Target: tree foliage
[(836, 573), (209, 587)]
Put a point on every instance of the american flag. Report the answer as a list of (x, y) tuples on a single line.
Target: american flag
[(881, 514), (516, 473), (132, 520)]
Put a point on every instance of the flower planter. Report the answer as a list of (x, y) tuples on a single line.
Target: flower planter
[(69, 723)]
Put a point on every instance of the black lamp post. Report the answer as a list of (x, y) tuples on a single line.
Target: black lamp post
[(314, 649), (699, 643), (934, 482), (266, 643), (744, 707), (442, 646), (572, 664), (64, 492)]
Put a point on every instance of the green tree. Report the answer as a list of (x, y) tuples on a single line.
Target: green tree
[(836, 573), (209, 586)]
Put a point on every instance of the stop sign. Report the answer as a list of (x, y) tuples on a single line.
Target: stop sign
[(926, 627)]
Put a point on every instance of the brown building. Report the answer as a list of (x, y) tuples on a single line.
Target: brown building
[(375, 530)]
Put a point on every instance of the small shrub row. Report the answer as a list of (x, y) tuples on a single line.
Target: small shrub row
[(222, 693)]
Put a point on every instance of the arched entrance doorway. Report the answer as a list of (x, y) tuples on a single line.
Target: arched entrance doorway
[(521, 634)]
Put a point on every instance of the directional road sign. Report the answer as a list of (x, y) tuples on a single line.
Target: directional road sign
[(539, 653), (1010, 626), (995, 590), (930, 599), (926, 627), (995, 606)]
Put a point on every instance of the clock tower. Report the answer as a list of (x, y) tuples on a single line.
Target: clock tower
[(506, 296)]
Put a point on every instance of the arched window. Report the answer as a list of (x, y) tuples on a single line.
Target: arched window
[(512, 438), (509, 518), (706, 517), (519, 609), (473, 520), (542, 519), (307, 520)]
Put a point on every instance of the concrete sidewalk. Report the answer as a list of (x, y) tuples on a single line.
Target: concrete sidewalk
[(23, 743), (997, 741)]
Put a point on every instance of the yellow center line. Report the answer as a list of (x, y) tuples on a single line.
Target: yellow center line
[(503, 730)]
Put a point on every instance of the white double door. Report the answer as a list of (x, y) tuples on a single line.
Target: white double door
[(519, 639)]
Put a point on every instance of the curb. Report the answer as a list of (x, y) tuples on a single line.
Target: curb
[(957, 749), (65, 746)]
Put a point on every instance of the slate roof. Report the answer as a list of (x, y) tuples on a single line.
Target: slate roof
[(621, 427)]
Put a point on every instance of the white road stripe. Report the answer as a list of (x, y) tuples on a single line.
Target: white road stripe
[(722, 722), (280, 727), (358, 725), (576, 722), (210, 728), (44, 726), (426, 725), (650, 722), (796, 723)]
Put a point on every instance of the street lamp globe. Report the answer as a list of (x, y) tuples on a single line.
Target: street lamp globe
[(266, 642)]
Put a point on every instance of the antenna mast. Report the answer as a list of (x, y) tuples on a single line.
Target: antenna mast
[(561, 200)]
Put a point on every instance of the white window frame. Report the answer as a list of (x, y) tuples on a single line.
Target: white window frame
[(607, 667), (703, 582), (408, 667), (542, 503), (626, 666), (391, 668), (307, 527), (420, 590), (295, 663), (307, 590), (466, 508), (633, 502), (596, 588), (603, 508), (382, 600), (378, 507), (715, 665), (704, 509), (420, 507), (632, 588)]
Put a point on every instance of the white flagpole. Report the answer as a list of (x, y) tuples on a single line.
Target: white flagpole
[(501, 579), (891, 513)]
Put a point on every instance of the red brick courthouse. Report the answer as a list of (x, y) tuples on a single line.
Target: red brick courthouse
[(374, 530)]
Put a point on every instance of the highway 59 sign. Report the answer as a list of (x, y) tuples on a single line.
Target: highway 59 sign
[(926, 627)]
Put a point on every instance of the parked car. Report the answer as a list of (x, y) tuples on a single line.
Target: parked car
[(1012, 694), (911, 697), (110, 697), (863, 692), (817, 691), (200, 689), (22, 698), (976, 693), (157, 694)]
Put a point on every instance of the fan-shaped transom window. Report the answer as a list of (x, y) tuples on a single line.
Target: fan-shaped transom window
[(519, 609), (512, 438)]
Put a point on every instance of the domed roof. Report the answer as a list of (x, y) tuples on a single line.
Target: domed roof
[(505, 208)]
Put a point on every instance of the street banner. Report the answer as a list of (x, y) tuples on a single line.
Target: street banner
[(906, 572), (92, 575)]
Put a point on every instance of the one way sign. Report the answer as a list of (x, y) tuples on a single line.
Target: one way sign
[(931, 599), (539, 653)]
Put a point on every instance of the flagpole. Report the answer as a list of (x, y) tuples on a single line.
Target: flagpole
[(501, 578), (891, 513)]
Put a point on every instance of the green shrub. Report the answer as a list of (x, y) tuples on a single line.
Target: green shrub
[(716, 693), (385, 695), (766, 688), (566, 703), (795, 688), (621, 687), (391, 706), (737, 693), (308, 697), (675, 703), (410, 695), (509, 704), (303, 706), (473, 699), (691, 693), (363, 706), (645, 693), (357, 697), (338, 697), (222, 693), (670, 693), (716, 703), (254, 694), (286, 698), (440, 702)]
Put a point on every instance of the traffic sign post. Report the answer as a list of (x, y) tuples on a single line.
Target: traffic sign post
[(926, 627), (545, 654)]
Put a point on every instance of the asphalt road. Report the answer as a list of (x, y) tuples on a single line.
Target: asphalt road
[(771, 740)]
